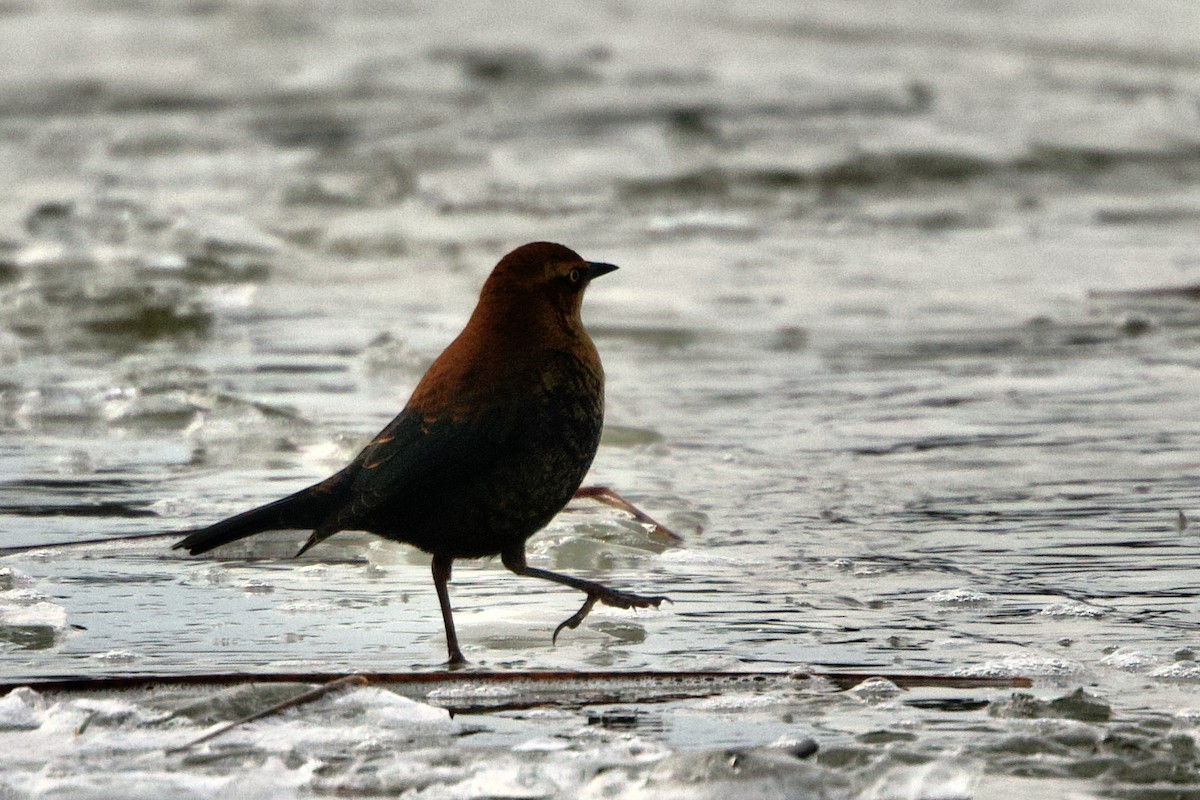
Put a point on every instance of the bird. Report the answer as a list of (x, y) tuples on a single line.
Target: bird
[(494, 441)]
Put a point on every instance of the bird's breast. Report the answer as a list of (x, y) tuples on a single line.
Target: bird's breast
[(572, 393)]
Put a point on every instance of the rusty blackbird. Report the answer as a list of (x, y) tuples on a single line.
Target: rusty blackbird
[(493, 443)]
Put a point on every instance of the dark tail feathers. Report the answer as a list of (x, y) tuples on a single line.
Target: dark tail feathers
[(304, 510)]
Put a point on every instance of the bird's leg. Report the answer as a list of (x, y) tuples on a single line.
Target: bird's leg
[(596, 592), (604, 494), (441, 577)]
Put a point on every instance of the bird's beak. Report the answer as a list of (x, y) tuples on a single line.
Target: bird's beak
[(597, 268)]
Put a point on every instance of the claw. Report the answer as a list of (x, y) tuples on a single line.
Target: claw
[(609, 598), (573, 621)]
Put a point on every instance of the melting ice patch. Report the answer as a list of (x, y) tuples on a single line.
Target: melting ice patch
[(737, 702), (1178, 671), (117, 656), (543, 744), (1022, 665), (28, 619), (875, 689), (14, 579), (1129, 660), (763, 774), (272, 780), (1071, 608), (307, 607), (21, 709), (939, 780), (388, 709), (961, 597)]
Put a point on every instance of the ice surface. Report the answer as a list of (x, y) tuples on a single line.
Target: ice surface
[(904, 344), (20, 709)]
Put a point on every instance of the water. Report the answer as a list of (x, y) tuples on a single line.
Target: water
[(875, 351)]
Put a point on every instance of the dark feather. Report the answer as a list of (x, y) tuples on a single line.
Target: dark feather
[(418, 455), (303, 510)]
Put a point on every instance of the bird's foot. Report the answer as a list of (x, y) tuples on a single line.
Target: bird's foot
[(456, 659), (609, 597)]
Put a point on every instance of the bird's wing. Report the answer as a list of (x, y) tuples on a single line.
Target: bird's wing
[(417, 454)]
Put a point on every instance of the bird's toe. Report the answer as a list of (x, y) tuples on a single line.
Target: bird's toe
[(573, 621), (629, 600), (608, 597)]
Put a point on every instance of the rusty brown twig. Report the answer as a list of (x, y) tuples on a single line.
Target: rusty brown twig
[(108, 540), (606, 495), (560, 687)]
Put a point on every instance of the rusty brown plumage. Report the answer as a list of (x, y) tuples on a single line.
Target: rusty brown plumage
[(494, 441)]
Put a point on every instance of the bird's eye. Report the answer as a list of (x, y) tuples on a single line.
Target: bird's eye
[(574, 276)]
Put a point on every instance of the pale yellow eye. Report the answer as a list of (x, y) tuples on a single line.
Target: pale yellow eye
[(574, 276)]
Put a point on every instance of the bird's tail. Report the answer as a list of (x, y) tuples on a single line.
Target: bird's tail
[(305, 509)]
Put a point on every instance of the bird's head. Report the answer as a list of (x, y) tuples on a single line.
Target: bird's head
[(541, 278)]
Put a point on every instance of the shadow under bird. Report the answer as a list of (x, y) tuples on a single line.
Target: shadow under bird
[(494, 441)]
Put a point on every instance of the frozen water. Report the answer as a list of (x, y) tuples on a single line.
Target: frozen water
[(904, 344), (964, 597)]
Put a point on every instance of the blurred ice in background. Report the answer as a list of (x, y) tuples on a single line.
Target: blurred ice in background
[(905, 343)]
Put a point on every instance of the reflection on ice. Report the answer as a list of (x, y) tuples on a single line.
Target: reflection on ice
[(28, 619)]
